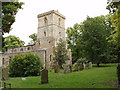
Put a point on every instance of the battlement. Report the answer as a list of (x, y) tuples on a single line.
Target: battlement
[(50, 12)]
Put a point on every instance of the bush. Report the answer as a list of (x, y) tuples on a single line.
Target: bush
[(25, 65), (118, 73)]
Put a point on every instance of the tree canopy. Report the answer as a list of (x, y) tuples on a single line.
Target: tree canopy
[(34, 39), (60, 53), (22, 65), (114, 9), (12, 41), (9, 10), (89, 40)]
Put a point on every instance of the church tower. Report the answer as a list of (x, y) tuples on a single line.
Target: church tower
[(51, 27)]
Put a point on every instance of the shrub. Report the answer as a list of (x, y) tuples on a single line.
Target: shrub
[(118, 73), (25, 65)]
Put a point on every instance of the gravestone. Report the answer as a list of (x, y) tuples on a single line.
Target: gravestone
[(86, 66), (56, 68), (76, 67), (81, 67), (5, 73), (70, 68), (44, 76), (89, 65), (66, 68)]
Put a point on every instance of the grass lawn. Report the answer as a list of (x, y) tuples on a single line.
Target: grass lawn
[(102, 77)]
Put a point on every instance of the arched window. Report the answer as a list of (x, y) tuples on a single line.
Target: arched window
[(28, 48), (21, 49), (44, 33), (60, 34), (3, 60), (10, 57), (45, 20), (39, 43), (59, 21)]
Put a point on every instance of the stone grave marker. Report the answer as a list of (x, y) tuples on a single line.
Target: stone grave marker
[(44, 76), (81, 67), (89, 65), (66, 68), (76, 67), (70, 68), (56, 68), (86, 66)]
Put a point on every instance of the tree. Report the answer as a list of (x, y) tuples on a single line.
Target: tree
[(12, 41), (22, 65), (114, 8), (60, 53), (34, 39), (94, 37), (73, 40), (9, 10), (89, 40)]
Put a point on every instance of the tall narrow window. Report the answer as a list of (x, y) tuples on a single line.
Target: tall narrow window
[(10, 59), (3, 61), (39, 43), (50, 57), (45, 20), (44, 33), (59, 21)]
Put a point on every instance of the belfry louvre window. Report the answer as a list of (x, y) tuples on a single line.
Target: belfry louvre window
[(45, 20)]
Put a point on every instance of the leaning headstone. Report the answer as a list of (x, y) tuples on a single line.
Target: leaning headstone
[(44, 76), (89, 65), (5, 75)]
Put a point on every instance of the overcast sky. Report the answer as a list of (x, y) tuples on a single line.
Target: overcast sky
[(75, 11)]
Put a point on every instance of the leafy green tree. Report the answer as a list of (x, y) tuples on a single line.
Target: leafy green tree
[(73, 40), (22, 65), (60, 53), (34, 39), (114, 9), (94, 37), (7, 18), (12, 41), (9, 10), (90, 40)]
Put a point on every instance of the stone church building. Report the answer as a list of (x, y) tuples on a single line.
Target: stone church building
[(51, 27)]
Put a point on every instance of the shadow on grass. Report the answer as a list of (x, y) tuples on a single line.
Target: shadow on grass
[(105, 65)]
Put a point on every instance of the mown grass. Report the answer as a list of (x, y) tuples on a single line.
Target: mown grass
[(102, 77)]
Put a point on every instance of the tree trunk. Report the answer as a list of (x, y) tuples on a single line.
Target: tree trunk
[(98, 64)]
